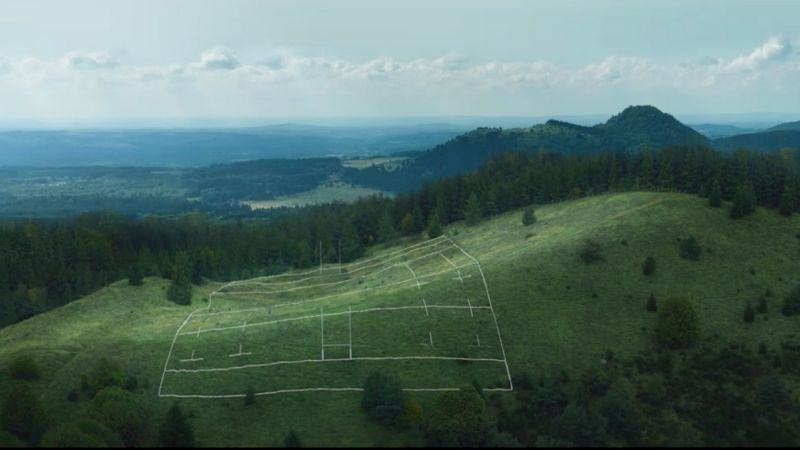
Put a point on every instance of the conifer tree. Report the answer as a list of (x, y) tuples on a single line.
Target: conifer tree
[(472, 213)]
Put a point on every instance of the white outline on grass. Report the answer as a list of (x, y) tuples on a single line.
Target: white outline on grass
[(349, 312)]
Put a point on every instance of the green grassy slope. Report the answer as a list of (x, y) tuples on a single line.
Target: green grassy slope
[(553, 310)]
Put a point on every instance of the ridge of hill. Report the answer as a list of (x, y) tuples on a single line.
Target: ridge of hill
[(634, 129)]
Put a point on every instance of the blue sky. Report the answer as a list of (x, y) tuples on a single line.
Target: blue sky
[(82, 61)]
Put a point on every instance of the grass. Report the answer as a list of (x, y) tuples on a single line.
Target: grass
[(553, 310), (324, 193)]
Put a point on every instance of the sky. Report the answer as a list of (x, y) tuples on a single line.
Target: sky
[(142, 61)]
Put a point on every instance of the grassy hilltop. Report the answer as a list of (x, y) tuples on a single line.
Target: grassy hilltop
[(553, 311)]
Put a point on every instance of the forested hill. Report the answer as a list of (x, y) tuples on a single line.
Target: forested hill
[(775, 138), (634, 129)]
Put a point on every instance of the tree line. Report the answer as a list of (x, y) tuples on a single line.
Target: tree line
[(46, 264)]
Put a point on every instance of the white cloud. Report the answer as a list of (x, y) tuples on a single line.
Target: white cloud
[(774, 50), (218, 58), (88, 60), (290, 84)]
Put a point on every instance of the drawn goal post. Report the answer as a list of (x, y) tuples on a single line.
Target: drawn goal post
[(434, 327)]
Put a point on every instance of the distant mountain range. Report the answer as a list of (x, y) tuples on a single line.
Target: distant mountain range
[(635, 129)]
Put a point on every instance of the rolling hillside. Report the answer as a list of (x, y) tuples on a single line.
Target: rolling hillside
[(552, 310)]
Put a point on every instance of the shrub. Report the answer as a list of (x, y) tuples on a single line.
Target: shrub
[(690, 249), (249, 396), (106, 374), (292, 440), (762, 305), (23, 367), (749, 314), (621, 410), (23, 414), (84, 433), (577, 426), (458, 418), (122, 412), (791, 305), (677, 324), (176, 430), (590, 251), (651, 303), (528, 217), (649, 265), (383, 398)]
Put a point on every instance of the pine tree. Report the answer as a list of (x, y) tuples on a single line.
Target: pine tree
[(528, 217), (715, 199), (249, 396), (472, 213), (491, 208), (386, 230), (651, 303), (744, 201), (649, 265), (180, 290), (135, 275), (407, 225), (434, 227), (749, 314), (787, 204), (176, 430), (418, 220)]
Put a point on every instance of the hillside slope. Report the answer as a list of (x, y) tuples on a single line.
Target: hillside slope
[(768, 140), (553, 310)]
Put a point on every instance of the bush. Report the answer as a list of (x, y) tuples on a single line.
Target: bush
[(749, 314), (651, 303), (176, 430), (23, 414), (621, 410), (458, 418), (649, 265), (23, 367), (383, 398), (122, 412), (590, 252), (528, 217), (791, 305), (690, 249), (577, 426), (677, 324), (84, 433), (762, 305), (249, 396), (292, 440), (106, 374)]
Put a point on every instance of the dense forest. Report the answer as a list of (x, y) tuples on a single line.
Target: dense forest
[(47, 264)]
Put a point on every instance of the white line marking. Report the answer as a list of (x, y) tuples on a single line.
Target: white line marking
[(488, 296), (425, 305), (470, 308), (360, 358), (322, 330), (447, 259), (359, 311), (430, 336)]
